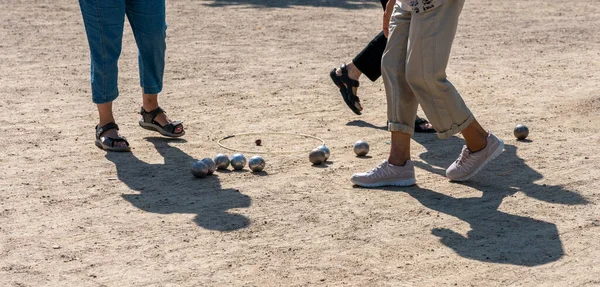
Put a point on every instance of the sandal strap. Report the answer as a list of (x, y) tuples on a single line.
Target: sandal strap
[(346, 79), (149, 116), (350, 82), (104, 128), (170, 127), (111, 141)]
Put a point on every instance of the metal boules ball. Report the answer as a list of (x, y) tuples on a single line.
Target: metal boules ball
[(212, 166), (238, 161), (325, 150), (361, 148), (199, 169), (521, 132), (222, 161), (317, 156), (256, 163)]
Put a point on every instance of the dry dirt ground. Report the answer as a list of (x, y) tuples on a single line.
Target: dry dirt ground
[(73, 215)]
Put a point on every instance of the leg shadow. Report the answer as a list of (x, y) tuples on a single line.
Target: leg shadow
[(506, 172), (170, 188), (495, 236)]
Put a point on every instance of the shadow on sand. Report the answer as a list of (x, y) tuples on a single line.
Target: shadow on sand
[(363, 124), (495, 236), (170, 188)]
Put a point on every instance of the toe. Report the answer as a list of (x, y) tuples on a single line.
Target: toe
[(178, 129), (358, 106)]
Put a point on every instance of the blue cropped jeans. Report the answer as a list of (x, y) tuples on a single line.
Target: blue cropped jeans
[(104, 21)]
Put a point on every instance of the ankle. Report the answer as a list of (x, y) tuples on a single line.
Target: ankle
[(105, 114), (476, 141), (150, 102), (475, 147), (397, 161), (105, 121), (353, 72), (148, 107)]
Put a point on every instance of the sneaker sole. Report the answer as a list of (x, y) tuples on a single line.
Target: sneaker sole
[(494, 155), (404, 182)]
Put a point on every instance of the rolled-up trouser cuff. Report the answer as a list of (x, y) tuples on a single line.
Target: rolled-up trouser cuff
[(399, 127), (102, 99), (152, 90), (456, 128)]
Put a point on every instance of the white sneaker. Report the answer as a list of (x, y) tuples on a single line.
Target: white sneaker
[(386, 174), (470, 163)]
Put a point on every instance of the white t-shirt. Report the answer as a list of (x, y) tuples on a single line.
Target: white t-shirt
[(418, 6)]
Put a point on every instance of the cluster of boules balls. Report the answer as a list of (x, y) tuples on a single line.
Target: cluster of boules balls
[(208, 166), (317, 156)]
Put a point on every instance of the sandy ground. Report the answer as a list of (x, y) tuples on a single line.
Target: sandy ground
[(73, 215)]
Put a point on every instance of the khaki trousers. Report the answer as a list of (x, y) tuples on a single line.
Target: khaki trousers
[(413, 68)]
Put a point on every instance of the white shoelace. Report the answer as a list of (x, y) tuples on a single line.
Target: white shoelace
[(464, 156)]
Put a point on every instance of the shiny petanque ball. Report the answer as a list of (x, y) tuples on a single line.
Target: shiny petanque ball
[(521, 132), (317, 156), (361, 148), (256, 163), (212, 166), (238, 161), (199, 169), (222, 161), (325, 150)]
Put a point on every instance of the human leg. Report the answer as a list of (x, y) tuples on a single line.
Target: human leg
[(368, 61), (148, 21), (431, 37), (107, 131), (104, 22), (398, 169)]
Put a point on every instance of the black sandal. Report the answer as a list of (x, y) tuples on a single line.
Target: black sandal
[(419, 122), (346, 86), (109, 142), (168, 130)]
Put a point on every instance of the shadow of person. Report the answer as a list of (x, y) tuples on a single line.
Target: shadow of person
[(495, 236), (170, 188), (509, 171), (345, 4)]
